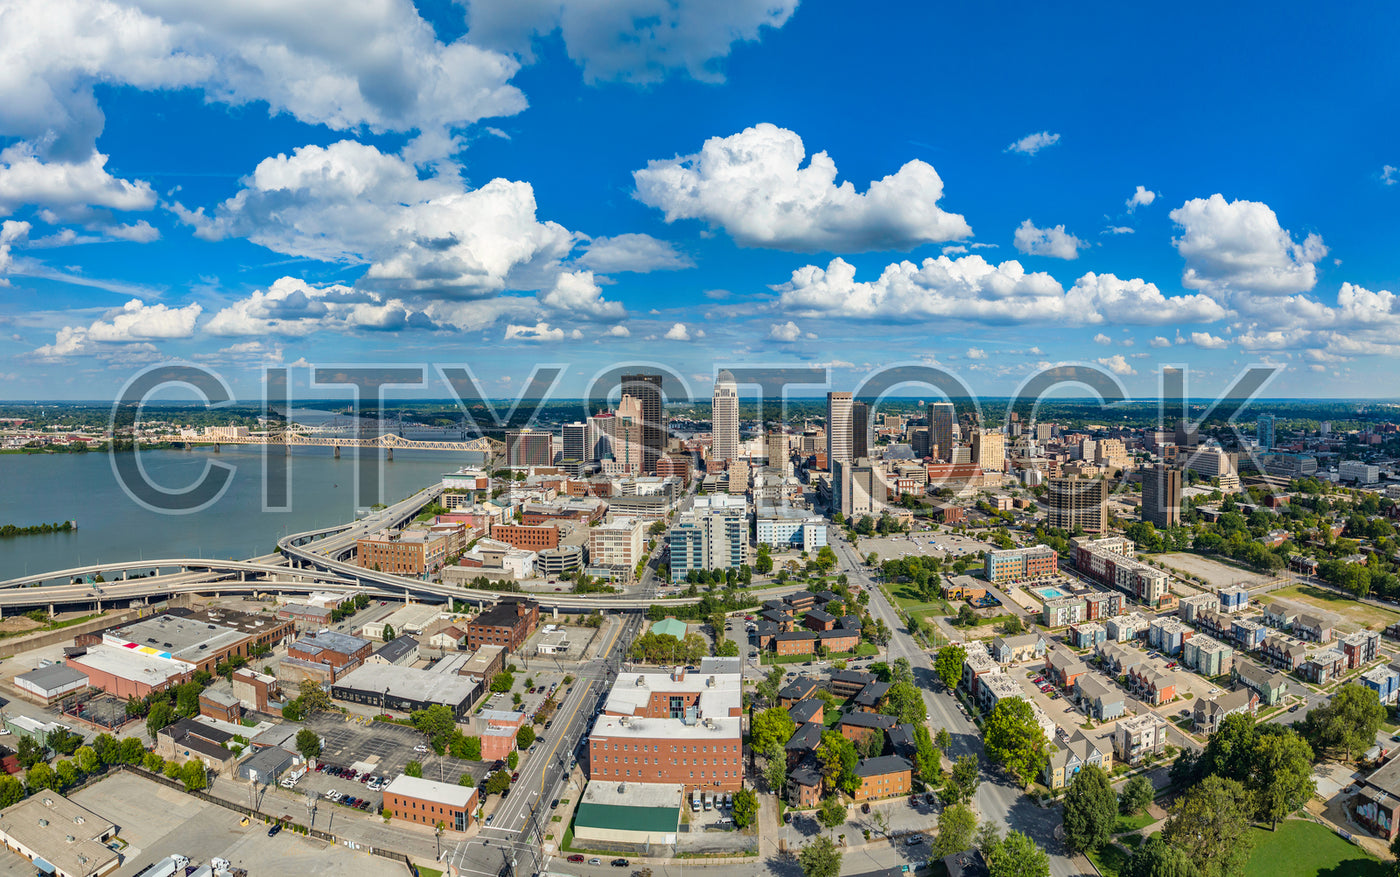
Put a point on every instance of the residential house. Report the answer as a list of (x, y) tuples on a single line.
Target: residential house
[(883, 777), (1139, 736), (1312, 629), (859, 727), (1215, 623), (1018, 649), (803, 742), (1102, 605), (1063, 666), (996, 687), (1324, 665), (1280, 616), (1153, 686), (804, 711), (1360, 647), (867, 700), (1060, 611), (1167, 635), (977, 662), (1234, 599), (1117, 660), (1384, 681), (1270, 685), (800, 688), (1125, 628), (1248, 633), (1207, 655), (1103, 702), (1072, 755), (1087, 634), (1193, 605), (804, 785), (848, 683), (1208, 714), (1284, 652)]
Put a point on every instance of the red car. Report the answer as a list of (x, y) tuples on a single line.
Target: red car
[(576, 859)]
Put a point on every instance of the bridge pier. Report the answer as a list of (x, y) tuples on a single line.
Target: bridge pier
[(556, 613), (51, 610), (337, 452), (216, 447), (390, 452)]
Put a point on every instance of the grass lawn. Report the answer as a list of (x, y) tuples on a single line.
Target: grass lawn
[(1109, 860), (907, 597), (428, 872), (1305, 849), (1371, 617), (1132, 823)]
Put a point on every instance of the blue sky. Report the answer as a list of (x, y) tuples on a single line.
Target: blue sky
[(517, 181)]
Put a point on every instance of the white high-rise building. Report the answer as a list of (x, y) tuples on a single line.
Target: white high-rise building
[(1264, 431), (838, 429), (724, 417)]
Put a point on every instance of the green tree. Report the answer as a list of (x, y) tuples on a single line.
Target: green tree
[(66, 775), (1136, 795), (512, 760), (838, 760), (86, 759), (767, 689), (40, 776), (820, 858), (470, 749), (928, 763), (956, 825), (763, 565), (1156, 858), (314, 698), (772, 726), (949, 665), (107, 748), (193, 775), (131, 751), (496, 783), (153, 762), (1018, 856), (1012, 625), (905, 702), (437, 723), (414, 769), (1347, 725), (502, 682), (187, 699), (525, 737), (745, 807), (466, 779), (160, 716), (308, 744), (775, 769), (1230, 750), (831, 813), (943, 740), (1090, 810), (1282, 778), (1210, 822), (1015, 740), (11, 791), (963, 780)]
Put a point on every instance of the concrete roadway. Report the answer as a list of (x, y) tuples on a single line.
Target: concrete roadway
[(997, 798)]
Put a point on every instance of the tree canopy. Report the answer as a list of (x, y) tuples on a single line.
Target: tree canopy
[(1347, 725), (1014, 739), (1090, 810), (949, 665), (1210, 822)]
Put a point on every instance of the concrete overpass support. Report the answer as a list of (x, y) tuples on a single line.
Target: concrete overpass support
[(337, 452), (390, 458)]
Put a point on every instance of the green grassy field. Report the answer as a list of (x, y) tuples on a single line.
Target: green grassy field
[(1305, 849), (1370, 617), (1109, 860)]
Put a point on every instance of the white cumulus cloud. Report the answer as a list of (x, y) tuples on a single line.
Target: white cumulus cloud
[(1207, 341), (639, 41), (788, 331), (10, 231), (134, 324), (1237, 249), (292, 307), (1159, 341), (619, 331), (976, 353), (632, 252), (678, 332), (1143, 197), (576, 292), (1053, 242), (66, 188), (537, 332), (1117, 364), (1390, 175), (753, 185), (1033, 143), (1101, 338)]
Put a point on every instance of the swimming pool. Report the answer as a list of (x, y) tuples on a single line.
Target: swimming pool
[(1049, 593)]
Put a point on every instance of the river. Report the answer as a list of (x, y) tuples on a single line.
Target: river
[(112, 526)]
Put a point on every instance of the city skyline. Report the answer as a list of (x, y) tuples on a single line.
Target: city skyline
[(510, 187)]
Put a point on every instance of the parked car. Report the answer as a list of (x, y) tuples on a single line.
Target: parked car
[(276, 827), (913, 840), (515, 776), (865, 808), (576, 859), (620, 863), (595, 861)]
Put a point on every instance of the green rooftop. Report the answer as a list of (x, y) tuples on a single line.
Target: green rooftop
[(670, 626), (615, 816)]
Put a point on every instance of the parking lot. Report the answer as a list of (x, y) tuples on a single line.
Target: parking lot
[(200, 831)]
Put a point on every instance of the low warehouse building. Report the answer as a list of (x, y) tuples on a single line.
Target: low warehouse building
[(133, 671), (428, 802), (49, 684), (628, 816), (391, 687), (59, 836)]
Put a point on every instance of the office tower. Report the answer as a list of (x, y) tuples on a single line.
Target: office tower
[(838, 429), (857, 489), (712, 535), (575, 442), (918, 440), (628, 432), (1077, 503), (1187, 435), (724, 419), (1044, 432), (940, 428), (1264, 431), (960, 455), (1161, 496), (602, 432), (989, 450), (777, 451), (646, 389), (860, 430), (528, 447)]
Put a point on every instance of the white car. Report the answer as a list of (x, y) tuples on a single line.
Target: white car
[(420, 748), (332, 795)]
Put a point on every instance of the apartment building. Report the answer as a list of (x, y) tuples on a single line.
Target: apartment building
[(618, 546)]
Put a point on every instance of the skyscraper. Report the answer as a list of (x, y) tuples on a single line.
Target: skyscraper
[(529, 447), (838, 429), (724, 419), (1161, 496), (860, 430), (989, 449), (1264, 431), (940, 428), (575, 444), (646, 389), (1077, 503)]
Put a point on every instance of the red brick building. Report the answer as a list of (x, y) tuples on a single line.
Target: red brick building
[(429, 802), (527, 538), (883, 777), (509, 623), (673, 465)]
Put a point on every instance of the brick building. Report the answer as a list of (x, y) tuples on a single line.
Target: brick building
[(883, 777), (537, 538), (428, 802), (509, 623)]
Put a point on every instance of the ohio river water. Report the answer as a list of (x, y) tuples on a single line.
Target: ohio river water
[(113, 527)]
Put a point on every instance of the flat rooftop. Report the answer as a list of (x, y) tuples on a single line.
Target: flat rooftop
[(331, 641), (624, 727), (450, 794), (189, 639), (248, 622), (127, 663), (410, 684)]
